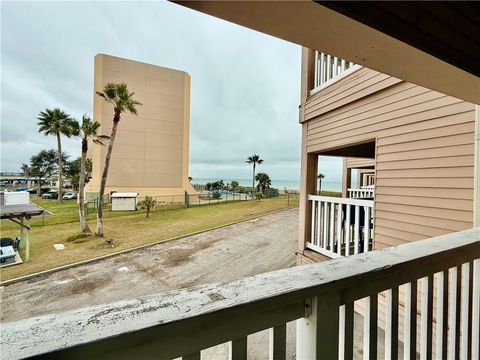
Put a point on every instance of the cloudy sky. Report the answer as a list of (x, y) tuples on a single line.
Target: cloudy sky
[(245, 85)]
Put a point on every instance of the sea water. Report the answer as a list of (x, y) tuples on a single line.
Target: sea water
[(276, 183)]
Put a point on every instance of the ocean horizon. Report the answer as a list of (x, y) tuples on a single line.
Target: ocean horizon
[(276, 183)]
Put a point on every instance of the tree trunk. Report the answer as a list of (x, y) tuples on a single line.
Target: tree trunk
[(320, 187), (60, 169), (253, 181), (116, 119), (39, 191), (81, 188)]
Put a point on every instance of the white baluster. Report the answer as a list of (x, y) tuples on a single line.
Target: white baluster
[(424, 319), (388, 324), (313, 236), (410, 320), (347, 231), (339, 229), (319, 223), (329, 65), (325, 225), (464, 311), (332, 226), (476, 310), (322, 68), (366, 229), (452, 306), (341, 333), (356, 232), (439, 315)]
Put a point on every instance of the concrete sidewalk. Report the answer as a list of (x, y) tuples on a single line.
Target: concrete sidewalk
[(264, 244)]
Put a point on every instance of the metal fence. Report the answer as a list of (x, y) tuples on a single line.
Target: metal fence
[(200, 199), (188, 200)]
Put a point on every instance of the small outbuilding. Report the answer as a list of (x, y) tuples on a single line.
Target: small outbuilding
[(21, 215), (124, 201)]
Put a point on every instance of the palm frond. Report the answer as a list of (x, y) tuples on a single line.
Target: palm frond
[(120, 97)]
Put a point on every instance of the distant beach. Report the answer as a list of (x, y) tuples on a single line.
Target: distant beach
[(276, 183)]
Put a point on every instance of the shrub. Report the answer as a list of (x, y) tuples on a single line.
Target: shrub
[(258, 195), (75, 237)]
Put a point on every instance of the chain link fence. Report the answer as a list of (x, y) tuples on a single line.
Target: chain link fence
[(200, 199)]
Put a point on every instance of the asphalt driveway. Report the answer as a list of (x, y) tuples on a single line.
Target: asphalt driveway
[(264, 244)]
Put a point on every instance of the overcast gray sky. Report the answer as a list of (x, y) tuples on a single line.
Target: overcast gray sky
[(245, 85)]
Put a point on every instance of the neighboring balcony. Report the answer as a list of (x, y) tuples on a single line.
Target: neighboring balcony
[(341, 226), (329, 69), (442, 273), (364, 192)]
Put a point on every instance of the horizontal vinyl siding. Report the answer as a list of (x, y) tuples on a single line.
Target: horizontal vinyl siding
[(356, 86), (425, 153), (360, 162)]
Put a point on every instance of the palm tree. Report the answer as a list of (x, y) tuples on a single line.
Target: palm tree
[(148, 204), (57, 122), (234, 184), (254, 159), (122, 100), (88, 131), (320, 177), (264, 182)]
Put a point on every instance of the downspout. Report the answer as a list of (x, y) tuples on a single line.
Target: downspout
[(476, 167)]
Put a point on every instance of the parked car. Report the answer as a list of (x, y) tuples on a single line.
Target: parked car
[(52, 194), (70, 195), (21, 189)]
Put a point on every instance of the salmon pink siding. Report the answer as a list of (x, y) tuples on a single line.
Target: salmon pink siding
[(424, 150)]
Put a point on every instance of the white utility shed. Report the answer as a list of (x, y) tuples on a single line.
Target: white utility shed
[(124, 201)]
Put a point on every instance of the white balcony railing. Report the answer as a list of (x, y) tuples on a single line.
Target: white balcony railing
[(328, 68), (341, 226), (365, 192), (321, 296)]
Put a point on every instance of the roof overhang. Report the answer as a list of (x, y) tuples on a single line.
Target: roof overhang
[(315, 26), (22, 210)]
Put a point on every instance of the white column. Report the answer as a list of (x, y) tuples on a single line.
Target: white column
[(318, 333), (476, 162)]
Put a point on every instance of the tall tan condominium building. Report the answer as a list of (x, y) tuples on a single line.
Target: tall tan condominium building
[(150, 154)]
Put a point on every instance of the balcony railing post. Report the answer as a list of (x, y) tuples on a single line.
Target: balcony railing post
[(318, 333), (476, 310), (278, 342), (238, 349)]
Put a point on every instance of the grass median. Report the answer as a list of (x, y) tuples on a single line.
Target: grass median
[(127, 229)]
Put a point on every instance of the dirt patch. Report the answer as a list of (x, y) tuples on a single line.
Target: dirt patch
[(85, 286), (179, 256)]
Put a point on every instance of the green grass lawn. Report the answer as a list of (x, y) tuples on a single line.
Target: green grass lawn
[(128, 229)]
